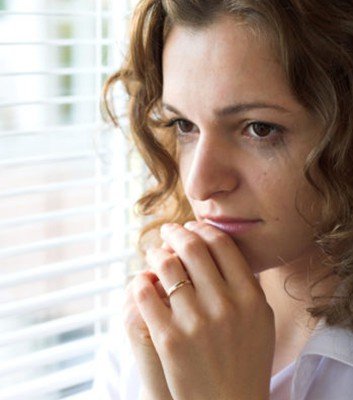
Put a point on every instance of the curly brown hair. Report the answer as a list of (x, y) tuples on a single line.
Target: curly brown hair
[(314, 43)]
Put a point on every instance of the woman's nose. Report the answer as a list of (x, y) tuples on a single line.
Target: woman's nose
[(210, 169)]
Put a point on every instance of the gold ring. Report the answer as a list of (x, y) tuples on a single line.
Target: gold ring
[(177, 286)]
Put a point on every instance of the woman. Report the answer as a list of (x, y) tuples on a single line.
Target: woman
[(242, 111)]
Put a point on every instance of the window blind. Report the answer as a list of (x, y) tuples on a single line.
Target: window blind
[(67, 184)]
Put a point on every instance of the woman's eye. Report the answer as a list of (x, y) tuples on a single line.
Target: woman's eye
[(263, 130), (260, 129), (183, 126)]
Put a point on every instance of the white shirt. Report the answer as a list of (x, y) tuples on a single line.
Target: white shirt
[(323, 371)]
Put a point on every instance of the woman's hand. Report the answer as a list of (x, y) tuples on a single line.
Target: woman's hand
[(148, 362), (216, 339)]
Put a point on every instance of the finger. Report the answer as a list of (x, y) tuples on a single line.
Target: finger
[(154, 279), (195, 257), (142, 345), (153, 310), (170, 270), (229, 259), (162, 293), (134, 324), (167, 247), (160, 290), (131, 276), (131, 316)]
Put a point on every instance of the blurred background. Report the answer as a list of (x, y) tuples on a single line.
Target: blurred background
[(68, 182)]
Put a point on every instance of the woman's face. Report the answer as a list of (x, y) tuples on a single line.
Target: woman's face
[(242, 139)]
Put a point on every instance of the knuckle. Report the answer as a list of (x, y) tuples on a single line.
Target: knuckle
[(168, 341), (192, 245), (221, 239), (223, 310), (168, 263), (132, 320), (138, 331), (196, 326), (142, 292)]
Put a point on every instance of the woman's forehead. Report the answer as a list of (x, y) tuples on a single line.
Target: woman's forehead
[(222, 64)]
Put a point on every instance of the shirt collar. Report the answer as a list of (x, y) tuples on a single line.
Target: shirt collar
[(332, 342)]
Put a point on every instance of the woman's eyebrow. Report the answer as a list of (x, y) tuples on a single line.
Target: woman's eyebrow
[(237, 108)]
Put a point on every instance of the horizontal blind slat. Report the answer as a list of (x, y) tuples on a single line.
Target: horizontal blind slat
[(60, 42), (59, 72), (51, 355), (49, 383), (49, 101), (56, 298), (48, 244), (61, 268), (56, 215), (86, 395), (53, 129), (48, 217), (52, 187), (41, 160), (103, 14), (57, 326)]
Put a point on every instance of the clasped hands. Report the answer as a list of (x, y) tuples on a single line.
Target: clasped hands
[(212, 340)]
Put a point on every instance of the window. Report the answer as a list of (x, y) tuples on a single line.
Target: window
[(67, 184)]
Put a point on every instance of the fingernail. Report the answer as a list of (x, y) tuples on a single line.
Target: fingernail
[(190, 224), (166, 228), (163, 229)]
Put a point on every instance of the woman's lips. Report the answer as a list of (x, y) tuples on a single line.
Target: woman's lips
[(232, 227)]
